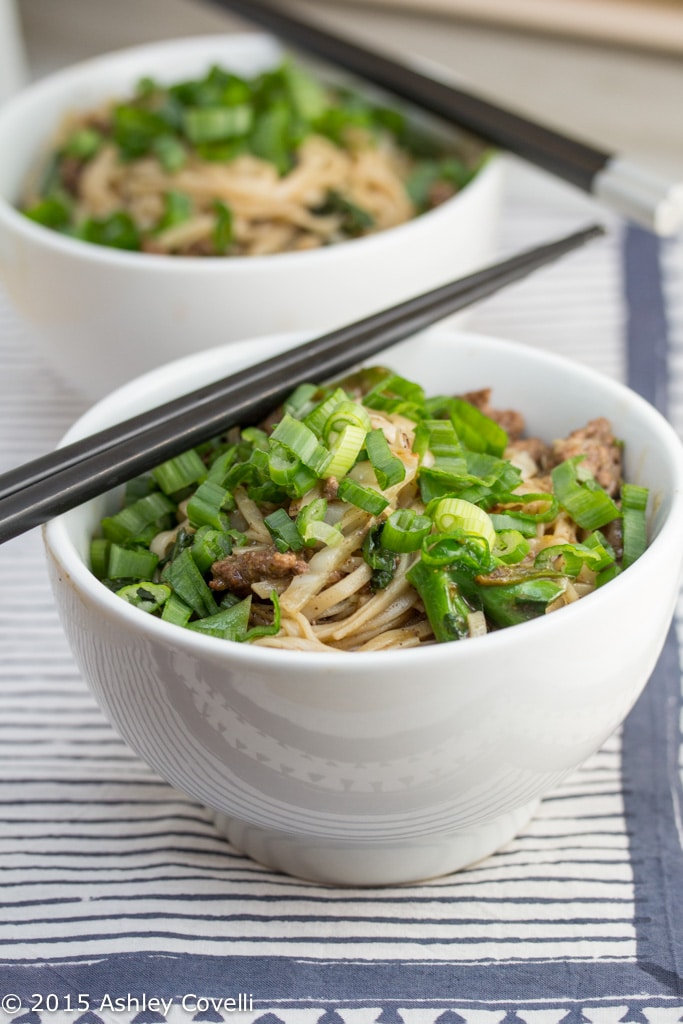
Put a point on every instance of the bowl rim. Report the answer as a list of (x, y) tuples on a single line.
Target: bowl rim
[(61, 549), (33, 95)]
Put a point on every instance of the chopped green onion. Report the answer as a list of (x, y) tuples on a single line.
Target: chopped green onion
[(213, 124), (117, 231), (470, 552), (183, 576), (300, 439), (176, 611), (209, 506), (210, 545), (382, 561), (571, 558), (99, 557), (405, 530), (83, 144), (139, 487), (287, 470), (581, 495), (179, 472), (506, 522), (345, 413), (227, 623), (511, 546), (634, 504), (283, 530), (365, 498), (131, 563), (170, 152), (271, 630), (603, 552), (319, 415), (130, 523), (388, 468), (314, 511), (311, 526), (354, 220), (51, 212), (223, 231), (476, 431), (148, 597), (134, 129), (608, 574), (221, 464), (345, 451), (444, 604), (398, 395), (319, 530), (256, 437), (455, 514), (299, 402), (177, 209), (270, 137), (519, 602), (308, 96)]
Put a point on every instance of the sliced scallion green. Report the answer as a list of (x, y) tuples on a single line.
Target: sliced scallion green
[(213, 124), (99, 557), (131, 563), (210, 545), (382, 561), (345, 450), (223, 230), (302, 442), (511, 546), (633, 505), (210, 505), (176, 611), (455, 514), (311, 525), (582, 496), (444, 603), (405, 530), (148, 597), (283, 530), (388, 468), (130, 523), (225, 623), (365, 498), (83, 144), (177, 209), (175, 474), (274, 627), (183, 576)]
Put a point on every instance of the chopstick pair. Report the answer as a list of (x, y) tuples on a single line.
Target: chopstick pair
[(68, 476), (617, 181)]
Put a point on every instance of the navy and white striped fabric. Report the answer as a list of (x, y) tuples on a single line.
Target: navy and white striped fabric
[(120, 903)]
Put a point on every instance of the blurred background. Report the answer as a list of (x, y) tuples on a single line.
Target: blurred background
[(609, 71)]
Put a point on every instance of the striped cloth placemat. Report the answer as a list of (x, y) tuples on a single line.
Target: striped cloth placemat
[(122, 904)]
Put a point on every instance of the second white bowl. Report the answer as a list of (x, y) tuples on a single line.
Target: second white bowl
[(102, 316)]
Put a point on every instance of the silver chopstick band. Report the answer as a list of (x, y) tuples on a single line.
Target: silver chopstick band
[(640, 195)]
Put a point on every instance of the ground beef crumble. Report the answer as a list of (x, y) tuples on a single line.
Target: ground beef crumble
[(238, 571)]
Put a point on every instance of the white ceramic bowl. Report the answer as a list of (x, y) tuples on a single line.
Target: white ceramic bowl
[(385, 767), (103, 316)]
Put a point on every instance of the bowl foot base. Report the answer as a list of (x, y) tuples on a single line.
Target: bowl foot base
[(339, 862)]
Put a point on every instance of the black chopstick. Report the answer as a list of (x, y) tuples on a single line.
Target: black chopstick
[(68, 476), (618, 182)]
